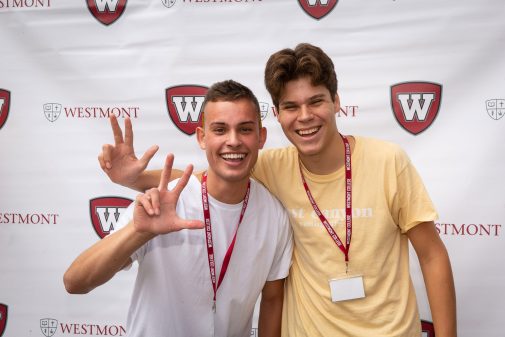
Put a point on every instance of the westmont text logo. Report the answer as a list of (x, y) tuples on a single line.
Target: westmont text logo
[(53, 111), (50, 327)]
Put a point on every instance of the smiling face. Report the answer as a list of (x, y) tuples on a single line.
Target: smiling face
[(231, 138), (307, 116)]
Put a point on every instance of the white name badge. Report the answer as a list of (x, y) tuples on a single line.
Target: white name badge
[(348, 288)]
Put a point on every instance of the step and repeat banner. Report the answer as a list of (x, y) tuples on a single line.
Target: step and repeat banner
[(428, 75)]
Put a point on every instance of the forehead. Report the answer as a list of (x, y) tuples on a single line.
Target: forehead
[(301, 89), (230, 112)]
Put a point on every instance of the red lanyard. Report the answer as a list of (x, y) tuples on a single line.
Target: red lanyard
[(348, 204), (208, 235)]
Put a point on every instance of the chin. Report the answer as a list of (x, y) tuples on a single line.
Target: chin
[(235, 176), (308, 150)]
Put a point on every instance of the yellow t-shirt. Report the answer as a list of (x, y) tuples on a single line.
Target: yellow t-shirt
[(388, 199)]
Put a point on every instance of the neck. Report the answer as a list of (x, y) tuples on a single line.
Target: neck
[(329, 160), (226, 192)]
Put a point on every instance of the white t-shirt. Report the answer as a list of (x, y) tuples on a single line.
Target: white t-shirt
[(173, 293)]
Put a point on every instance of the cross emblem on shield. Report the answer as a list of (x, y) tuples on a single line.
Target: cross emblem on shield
[(495, 108), (52, 111), (48, 326)]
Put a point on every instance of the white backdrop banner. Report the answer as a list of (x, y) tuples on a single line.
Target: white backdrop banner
[(65, 66)]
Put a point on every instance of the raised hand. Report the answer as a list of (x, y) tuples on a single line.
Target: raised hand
[(155, 211), (118, 161)]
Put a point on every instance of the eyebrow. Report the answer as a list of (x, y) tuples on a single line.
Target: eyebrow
[(317, 96), (218, 123)]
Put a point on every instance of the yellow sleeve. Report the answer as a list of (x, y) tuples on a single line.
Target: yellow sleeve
[(413, 204)]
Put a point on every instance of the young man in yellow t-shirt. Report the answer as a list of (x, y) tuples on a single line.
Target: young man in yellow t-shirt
[(355, 203)]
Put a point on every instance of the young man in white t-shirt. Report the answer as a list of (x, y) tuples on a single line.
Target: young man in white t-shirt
[(339, 190), (201, 277)]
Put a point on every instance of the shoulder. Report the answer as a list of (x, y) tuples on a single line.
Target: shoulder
[(266, 201), (278, 154), (192, 186), (373, 144), (190, 196), (380, 150)]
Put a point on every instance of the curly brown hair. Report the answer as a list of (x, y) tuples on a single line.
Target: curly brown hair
[(305, 60)]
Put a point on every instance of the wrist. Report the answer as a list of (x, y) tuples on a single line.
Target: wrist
[(139, 234)]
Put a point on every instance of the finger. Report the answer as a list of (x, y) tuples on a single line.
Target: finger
[(143, 201), (148, 155), (167, 171), (128, 132), (154, 196), (116, 130), (183, 181), (189, 224), (107, 155)]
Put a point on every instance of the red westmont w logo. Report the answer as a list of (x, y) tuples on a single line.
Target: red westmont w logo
[(416, 104), (185, 106), (318, 8), (3, 318), (5, 101), (106, 11), (105, 213)]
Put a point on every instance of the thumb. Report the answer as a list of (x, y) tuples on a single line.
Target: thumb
[(190, 224)]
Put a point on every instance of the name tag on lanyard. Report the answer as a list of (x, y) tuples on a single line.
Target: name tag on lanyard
[(347, 288)]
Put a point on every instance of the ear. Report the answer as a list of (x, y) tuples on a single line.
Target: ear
[(200, 137), (276, 113), (337, 103), (263, 137)]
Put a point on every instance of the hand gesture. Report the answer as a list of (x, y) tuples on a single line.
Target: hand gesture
[(118, 161), (155, 211)]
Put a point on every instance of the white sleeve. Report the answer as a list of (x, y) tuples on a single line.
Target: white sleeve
[(284, 250)]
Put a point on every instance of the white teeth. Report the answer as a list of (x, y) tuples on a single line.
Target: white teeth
[(233, 155), (307, 132)]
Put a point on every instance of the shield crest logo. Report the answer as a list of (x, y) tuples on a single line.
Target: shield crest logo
[(3, 318), (48, 326), (317, 8), (427, 328), (416, 104), (52, 111), (495, 108), (105, 213), (168, 3), (5, 101), (106, 11), (185, 106), (264, 109)]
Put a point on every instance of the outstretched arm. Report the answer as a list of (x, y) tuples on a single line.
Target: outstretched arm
[(272, 296), (103, 260), (437, 274), (121, 165)]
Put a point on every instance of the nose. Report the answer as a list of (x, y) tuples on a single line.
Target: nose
[(304, 114), (233, 139)]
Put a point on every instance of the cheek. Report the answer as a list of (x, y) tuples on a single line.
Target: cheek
[(284, 121)]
